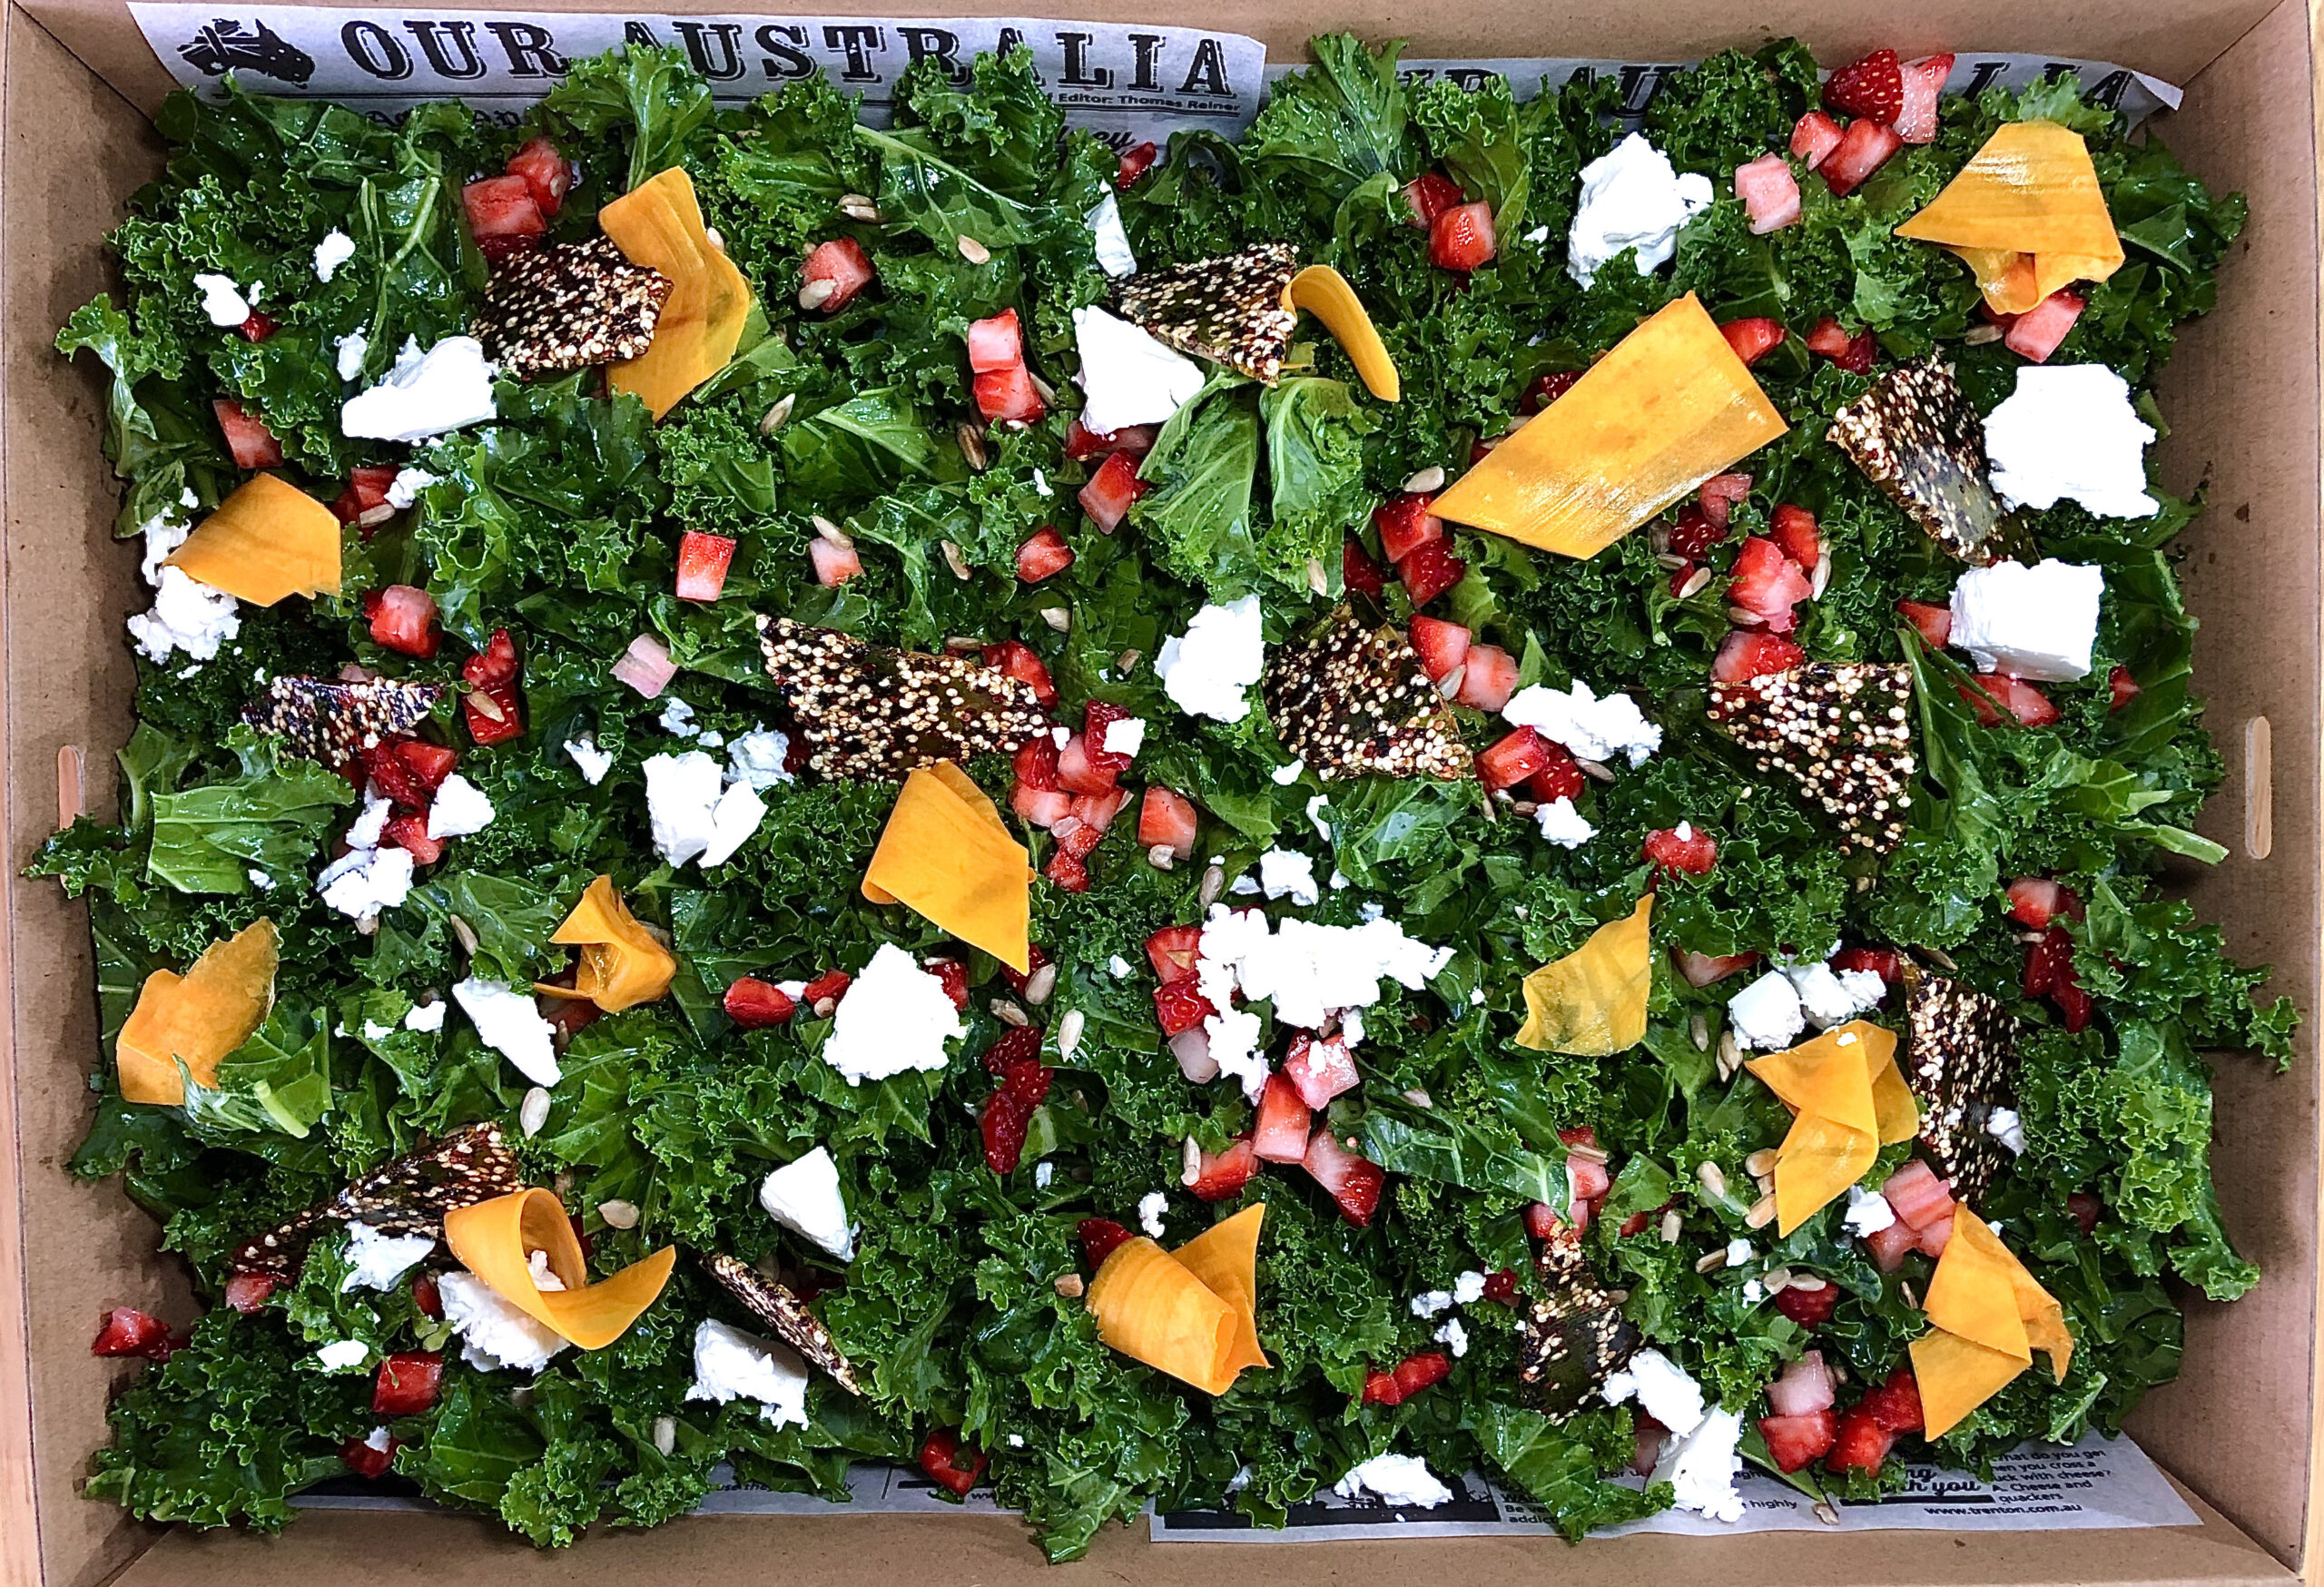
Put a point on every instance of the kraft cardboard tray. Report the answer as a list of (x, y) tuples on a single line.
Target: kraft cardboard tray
[(77, 85)]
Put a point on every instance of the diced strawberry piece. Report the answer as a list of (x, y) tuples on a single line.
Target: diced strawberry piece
[(407, 1384), (1710, 969), (1862, 1442), (1077, 771), (126, 1331), (2022, 700), (702, 560), (1930, 1242), (1172, 951), (547, 174), (1754, 336), (1745, 654), (366, 1461), (1380, 1388), (2083, 1209), (1795, 1442), (1036, 957), (1137, 160), (1501, 1286), (247, 1293), (1488, 677), (2122, 688), (364, 502), (1082, 443), (1016, 1045), (1852, 353), (504, 217), (1793, 529), (1404, 521), (1036, 764), (429, 763), (1042, 807), (1814, 137), (1074, 837), (1462, 238), (2036, 334), (1923, 81), (997, 343), (491, 707), (253, 445), (1019, 660), (257, 327), (1168, 818), (1541, 1221), (409, 833), (1280, 1133), (1429, 196), (1873, 86), (1358, 572), (1918, 1195), (2049, 973), (755, 1004), (396, 777), (1320, 1067), (1767, 583), (1222, 1174), (955, 977), (954, 1465), (1352, 1180), (1716, 498), (1042, 556), (1513, 758), (1692, 532), (843, 262), (831, 985), (1422, 1370), (1009, 394), (1101, 1237), (1096, 716), (1883, 962), (1888, 1245), (1547, 388), (1683, 847), (1561, 778), (1770, 196), (1935, 622), (1002, 1125), (1864, 149), (1179, 1007), (403, 619), (1431, 570), (1897, 1403), (1586, 1179), (1810, 1309), (1107, 498), (1096, 811), (2035, 902)]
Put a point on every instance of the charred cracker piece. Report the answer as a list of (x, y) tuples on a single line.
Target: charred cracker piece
[(1229, 309), (406, 1196), (774, 1305), (1960, 1059), (335, 723), (870, 711), (569, 307), (1918, 437), (1842, 730), (1573, 1335), (1353, 701)]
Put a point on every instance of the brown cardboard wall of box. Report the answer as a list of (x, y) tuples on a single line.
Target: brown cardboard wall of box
[(76, 82)]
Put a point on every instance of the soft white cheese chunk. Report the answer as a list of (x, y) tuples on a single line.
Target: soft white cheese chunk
[(1430, 1303), (405, 487), (895, 1017), (1592, 728), (1631, 197), (494, 1336), (681, 792), (1661, 1387), (426, 394), (1208, 670), (223, 300), (1450, 1334), (1125, 735), (1468, 1287), (1150, 1208), (2005, 1127), (756, 758), (1394, 1479), (352, 349), (375, 1261), (1829, 998), (1287, 873), (509, 1022), (1766, 1015), (1114, 255), (2037, 622), (343, 1355), (426, 1016), (188, 615), (335, 250), (363, 881), (1700, 1467), (677, 718), (732, 819), (458, 809), (803, 1197), (592, 762), (2069, 431), (1128, 376), (368, 827), (730, 1364), (1868, 1212), (1562, 825), (1234, 1036)]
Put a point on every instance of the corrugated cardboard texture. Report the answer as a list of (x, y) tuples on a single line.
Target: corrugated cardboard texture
[(2244, 396)]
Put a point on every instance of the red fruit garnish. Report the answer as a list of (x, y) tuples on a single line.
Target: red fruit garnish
[(427, 1296), (1862, 1441), (1501, 1286), (1560, 779), (1320, 1068), (1043, 555), (832, 984), (503, 216), (491, 707), (1173, 951), (2049, 973), (1771, 201), (1864, 149), (1683, 847), (1082, 443), (1488, 679), (1793, 529), (1096, 716), (364, 502), (1036, 764), (1935, 622), (1883, 963), (1280, 1133), (1547, 388), (1873, 86), (253, 445), (1136, 161), (1889, 1246), (1810, 1309), (1002, 1124), (1036, 957), (1358, 572), (1107, 498), (1018, 660), (1745, 654), (407, 1384), (843, 262), (2083, 1209), (1431, 570), (954, 1465), (1767, 583), (1693, 533), (1421, 1370), (1404, 521), (126, 1331), (1756, 337), (1716, 498), (1813, 137), (997, 343), (247, 1293), (1352, 1180), (1441, 646), (1513, 758), (257, 327), (2034, 335), (1794, 1441), (1100, 1239), (1917, 1195), (1897, 1403), (2122, 688), (1852, 353), (1462, 238), (1429, 196), (1222, 1174), (1009, 394), (1710, 969), (409, 833), (702, 564), (1923, 81), (403, 619), (547, 174), (365, 1461), (955, 977), (1168, 819), (2022, 700), (1542, 1220), (2035, 902), (1178, 1007), (1067, 870)]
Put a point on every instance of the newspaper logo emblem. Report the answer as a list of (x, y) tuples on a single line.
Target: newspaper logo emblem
[(223, 44)]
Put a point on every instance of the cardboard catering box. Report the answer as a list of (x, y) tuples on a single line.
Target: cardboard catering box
[(2238, 1427)]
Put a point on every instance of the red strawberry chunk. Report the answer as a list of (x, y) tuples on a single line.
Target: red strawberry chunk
[(2122, 688), (1136, 161), (430, 763), (1810, 1309), (1923, 81), (1852, 353), (1441, 646), (1873, 86), (1352, 1180), (1813, 137), (1018, 660), (1168, 819), (834, 564), (1716, 499), (503, 216), (1683, 847), (369, 1461), (1754, 338), (1172, 951), (491, 707), (1793, 529), (1934, 621), (954, 975), (1512, 759), (2036, 334), (1380, 1388), (403, 619), (1547, 388), (1043, 555), (997, 343), (409, 833), (1042, 807), (1421, 1370), (1710, 969), (1429, 196), (755, 1004), (2035, 902), (1560, 779), (396, 778), (1692, 532), (1036, 958), (1082, 443), (1488, 677), (1744, 655), (364, 502), (1794, 1441), (1864, 149), (954, 1466), (1077, 771), (1767, 583), (1280, 1132), (1770, 196), (1009, 394), (1917, 1195), (1036, 764), (1462, 238), (1101, 1237), (1003, 1124), (1542, 1220), (1358, 572), (702, 560), (1897, 1403), (254, 445), (247, 1293), (1179, 1007), (407, 1384), (827, 988), (2085, 1209), (1075, 838), (843, 262), (1431, 570), (1862, 1441), (1111, 490), (1096, 716), (2050, 971), (547, 174), (1222, 1174), (2022, 700), (126, 1331), (1404, 521), (1320, 1067), (1883, 963), (1501, 1286)]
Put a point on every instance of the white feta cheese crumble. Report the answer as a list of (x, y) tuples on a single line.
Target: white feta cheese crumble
[(1311, 972), (1114, 254), (1125, 735), (458, 810), (351, 348), (1394, 1479), (1537, 235), (343, 1355), (1631, 197), (2069, 431), (1754, 1292), (367, 828), (803, 1197), (694, 813), (1738, 1251), (677, 718), (1661, 1387), (426, 1016), (1245, 887), (379, 1438), (1452, 1334), (1287, 873), (544, 1277), (2036, 621), (1284, 777), (426, 394), (259, 878), (730, 1364), (509, 1022), (895, 1017), (1469, 1288), (1700, 1466), (1590, 728), (187, 615), (1235, 1049), (405, 487), (1766, 1016), (363, 881), (732, 819), (223, 300), (493, 1335), (1151, 1208), (1562, 825), (2005, 1127), (1829, 999), (1868, 1212), (1208, 670), (375, 1261), (1120, 968), (592, 762), (1044, 1174), (1430, 1303), (756, 758), (335, 250), (1128, 375)]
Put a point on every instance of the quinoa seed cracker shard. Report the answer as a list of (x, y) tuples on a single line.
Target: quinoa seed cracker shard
[(1960, 1059), (1353, 701), (1918, 437), (1573, 1335), (868, 711), (334, 723), (1229, 309), (409, 1195), (779, 1308), (1841, 730), (569, 307)]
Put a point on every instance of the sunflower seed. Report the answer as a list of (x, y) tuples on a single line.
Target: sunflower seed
[(1008, 1013), (1426, 481), (486, 706), (1040, 984), (465, 934), (1907, 1290), (1595, 771), (831, 534), (1978, 335), (1696, 584), (1517, 421), (1190, 1163), (1058, 617), (1584, 1153), (1317, 579), (1699, 1029), (1214, 883), (1762, 1213), (618, 1214), (1940, 957), (1126, 661), (825, 1007), (1826, 1513), (1068, 1285), (778, 416), (956, 559), (856, 206), (373, 517), (1420, 1099), (1162, 857), (1449, 686), (1657, 537), (1487, 443), (1823, 579), (1669, 1231), (1730, 1054), (1711, 1261), (971, 440), (817, 292), (1047, 392), (1673, 560), (1742, 616), (665, 1434), (1762, 1161), (1807, 1282), (1069, 1033), (974, 252), (716, 238), (1523, 807), (534, 1114), (1774, 1279), (1711, 1177)]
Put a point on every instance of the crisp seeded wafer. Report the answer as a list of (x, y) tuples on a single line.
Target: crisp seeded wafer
[(780, 1309), (1960, 1059), (407, 1195), (1229, 309), (569, 307), (1918, 437), (868, 711), (1573, 1335), (1842, 731), (1355, 701), (335, 723)]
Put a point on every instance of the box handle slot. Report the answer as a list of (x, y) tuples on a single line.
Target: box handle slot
[(72, 786), (2259, 788)]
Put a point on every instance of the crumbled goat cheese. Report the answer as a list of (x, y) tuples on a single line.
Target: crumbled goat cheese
[(1125, 735), (1394, 1479), (1429, 1303), (1754, 1292), (1766, 1015), (1284, 777), (1868, 1212), (367, 828), (260, 879), (1562, 825), (1120, 968), (1700, 1467), (730, 1364), (223, 300), (1829, 998), (2036, 621), (1632, 198), (458, 809), (493, 1335), (343, 1355), (426, 394), (352, 348), (374, 1261), (187, 615), (405, 487), (374, 1032), (2005, 1127), (335, 250), (593, 763), (1738, 1251), (1315, 816), (379, 1438), (756, 758), (1287, 873), (695, 813), (895, 1017), (509, 1022), (544, 1279), (1453, 1334), (1129, 378), (1044, 1174), (1151, 1208), (1209, 669), (1235, 1047), (1661, 1387), (1468, 1287), (2070, 431), (363, 881), (426, 1016), (803, 1197), (1245, 887), (677, 718), (1114, 255), (1592, 728)]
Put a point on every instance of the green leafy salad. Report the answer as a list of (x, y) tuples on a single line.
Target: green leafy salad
[(579, 550)]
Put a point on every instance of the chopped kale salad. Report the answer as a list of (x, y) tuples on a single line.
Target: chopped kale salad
[(1452, 787)]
